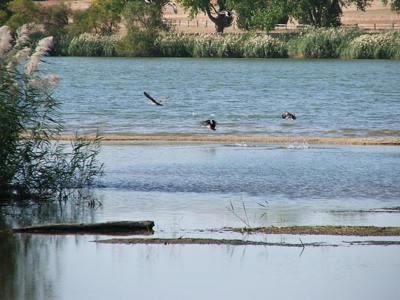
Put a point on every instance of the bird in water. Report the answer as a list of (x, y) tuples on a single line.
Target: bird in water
[(173, 6), (210, 124), (155, 101), (288, 115)]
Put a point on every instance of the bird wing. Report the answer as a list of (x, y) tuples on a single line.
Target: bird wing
[(163, 99), (175, 8), (205, 123), (151, 98)]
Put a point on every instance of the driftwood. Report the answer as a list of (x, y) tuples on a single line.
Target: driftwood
[(118, 227)]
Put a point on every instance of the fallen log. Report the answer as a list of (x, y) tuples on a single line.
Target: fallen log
[(112, 227)]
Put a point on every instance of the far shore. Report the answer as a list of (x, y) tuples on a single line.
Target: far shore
[(245, 139)]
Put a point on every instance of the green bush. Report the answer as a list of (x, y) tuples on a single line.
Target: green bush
[(35, 166)]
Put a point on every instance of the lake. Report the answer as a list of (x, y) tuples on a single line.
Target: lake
[(190, 188)]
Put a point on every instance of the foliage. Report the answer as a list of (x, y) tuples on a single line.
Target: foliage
[(23, 12), (213, 9), (105, 15), (35, 166), (394, 5), (55, 19), (260, 14), (144, 24)]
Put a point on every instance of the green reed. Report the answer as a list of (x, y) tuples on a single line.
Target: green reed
[(342, 43), (220, 45), (374, 46), (321, 43), (88, 44)]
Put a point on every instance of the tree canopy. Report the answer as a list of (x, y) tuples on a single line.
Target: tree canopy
[(217, 11)]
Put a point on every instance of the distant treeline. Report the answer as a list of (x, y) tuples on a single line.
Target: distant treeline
[(341, 43)]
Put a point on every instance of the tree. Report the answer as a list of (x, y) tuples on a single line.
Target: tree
[(106, 15), (394, 5), (55, 19), (144, 23), (217, 11), (23, 12), (35, 166), (323, 13), (259, 14), (5, 13), (318, 13)]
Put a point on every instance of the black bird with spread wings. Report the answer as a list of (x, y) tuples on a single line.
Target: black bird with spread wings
[(155, 101), (288, 115), (210, 124)]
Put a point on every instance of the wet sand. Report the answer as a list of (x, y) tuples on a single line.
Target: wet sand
[(247, 139)]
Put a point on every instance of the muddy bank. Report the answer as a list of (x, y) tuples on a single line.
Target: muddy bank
[(371, 231), (325, 230), (248, 139)]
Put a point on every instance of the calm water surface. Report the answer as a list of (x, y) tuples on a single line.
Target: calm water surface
[(331, 98), (187, 188)]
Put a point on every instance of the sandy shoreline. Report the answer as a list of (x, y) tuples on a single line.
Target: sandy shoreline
[(247, 139)]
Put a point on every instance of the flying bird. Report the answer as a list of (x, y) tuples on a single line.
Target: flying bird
[(210, 124), (148, 1), (173, 6), (155, 101), (288, 115)]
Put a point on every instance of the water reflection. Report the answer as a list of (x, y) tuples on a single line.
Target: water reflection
[(68, 267), (187, 191)]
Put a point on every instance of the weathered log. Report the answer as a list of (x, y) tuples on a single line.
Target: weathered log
[(117, 227)]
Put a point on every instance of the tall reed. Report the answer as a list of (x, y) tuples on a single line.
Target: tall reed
[(377, 46), (88, 44), (321, 43), (218, 45)]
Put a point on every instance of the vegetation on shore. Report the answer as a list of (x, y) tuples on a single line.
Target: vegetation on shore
[(341, 43), (35, 166)]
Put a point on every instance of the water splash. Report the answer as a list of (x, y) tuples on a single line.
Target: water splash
[(297, 145)]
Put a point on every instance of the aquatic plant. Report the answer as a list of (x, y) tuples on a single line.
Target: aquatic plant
[(220, 45), (35, 166), (264, 46), (377, 46), (321, 42), (93, 44)]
